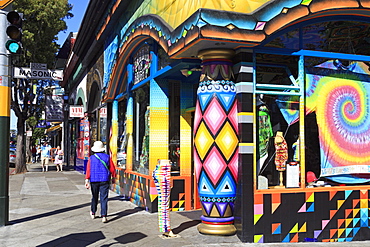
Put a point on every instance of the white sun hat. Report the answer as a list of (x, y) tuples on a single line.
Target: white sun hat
[(98, 147)]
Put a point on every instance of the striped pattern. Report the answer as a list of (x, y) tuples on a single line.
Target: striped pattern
[(161, 176)]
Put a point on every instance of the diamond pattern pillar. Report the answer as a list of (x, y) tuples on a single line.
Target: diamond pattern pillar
[(216, 142)]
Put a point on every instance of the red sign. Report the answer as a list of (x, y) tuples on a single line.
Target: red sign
[(103, 112), (76, 111), (4, 3)]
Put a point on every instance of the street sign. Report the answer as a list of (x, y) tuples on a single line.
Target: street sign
[(40, 74), (4, 3), (38, 66)]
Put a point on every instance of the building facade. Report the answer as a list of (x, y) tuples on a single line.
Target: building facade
[(261, 107)]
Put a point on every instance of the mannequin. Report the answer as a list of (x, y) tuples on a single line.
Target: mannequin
[(281, 155)]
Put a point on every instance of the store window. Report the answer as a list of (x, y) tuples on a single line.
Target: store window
[(141, 130), (335, 125), (277, 122), (174, 117), (122, 134), (103, 116), (83, 142)]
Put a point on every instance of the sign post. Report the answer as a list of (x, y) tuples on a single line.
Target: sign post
[(4, 117)]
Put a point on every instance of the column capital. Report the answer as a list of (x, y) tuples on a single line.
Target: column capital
[(216, 54)]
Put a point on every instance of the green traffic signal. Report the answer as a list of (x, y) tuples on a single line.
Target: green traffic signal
[(13, 47), (14, 32)]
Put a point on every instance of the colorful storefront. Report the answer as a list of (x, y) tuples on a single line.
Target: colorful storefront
[(261, 106)]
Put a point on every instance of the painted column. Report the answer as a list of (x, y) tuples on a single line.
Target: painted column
[(216, 142)]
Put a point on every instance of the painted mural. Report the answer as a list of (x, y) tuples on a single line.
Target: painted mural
[(337, 93)]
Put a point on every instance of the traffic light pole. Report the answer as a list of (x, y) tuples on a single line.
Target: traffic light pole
[(4, 121)]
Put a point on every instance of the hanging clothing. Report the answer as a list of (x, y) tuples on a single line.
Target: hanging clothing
[(281, 155), (265, 133)]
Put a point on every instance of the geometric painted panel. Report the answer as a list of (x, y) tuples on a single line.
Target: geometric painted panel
[(326, 216)]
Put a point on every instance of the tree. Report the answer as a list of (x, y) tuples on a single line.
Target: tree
[(43, 20)]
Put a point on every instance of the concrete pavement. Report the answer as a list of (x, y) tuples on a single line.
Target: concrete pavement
[(52, 209)]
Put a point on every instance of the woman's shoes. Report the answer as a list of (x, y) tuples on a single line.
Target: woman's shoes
[(104, 219), (92, 215)]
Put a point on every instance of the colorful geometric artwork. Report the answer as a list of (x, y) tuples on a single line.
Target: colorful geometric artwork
[(216, 146), (340, 97), (336, 216)]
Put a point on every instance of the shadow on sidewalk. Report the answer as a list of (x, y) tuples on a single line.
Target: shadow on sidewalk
[(127, 238), (58, 211), (185, 225), (119, 215), (76, 239)]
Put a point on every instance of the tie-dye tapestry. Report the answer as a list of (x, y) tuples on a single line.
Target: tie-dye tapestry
[(340, 97)]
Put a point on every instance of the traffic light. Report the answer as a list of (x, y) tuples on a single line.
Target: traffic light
[(14, 32)]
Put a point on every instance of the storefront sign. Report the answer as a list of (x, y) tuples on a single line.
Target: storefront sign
[(76, 111), (103, 112)]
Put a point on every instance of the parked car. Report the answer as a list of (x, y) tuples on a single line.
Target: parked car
[(12, 156)]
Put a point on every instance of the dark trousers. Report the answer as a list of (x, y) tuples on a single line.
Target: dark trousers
[(103, 189)]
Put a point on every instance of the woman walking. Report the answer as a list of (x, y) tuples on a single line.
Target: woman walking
[(59, 159), (100, 169)]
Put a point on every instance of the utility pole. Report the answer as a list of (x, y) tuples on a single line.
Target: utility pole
[(5, 88)]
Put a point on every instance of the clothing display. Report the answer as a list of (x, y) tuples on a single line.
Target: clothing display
[(161, 176), (144, 157), (281, 155), (264, 133)]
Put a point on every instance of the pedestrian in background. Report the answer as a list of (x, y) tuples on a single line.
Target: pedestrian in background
[(99, 171), (38, 153), (59, 158), (45, 156), (33, 151)]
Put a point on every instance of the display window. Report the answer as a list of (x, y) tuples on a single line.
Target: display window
[(122, 134), (103, 116), (141, 130), (83, 142), (174, 131), (330, 145)]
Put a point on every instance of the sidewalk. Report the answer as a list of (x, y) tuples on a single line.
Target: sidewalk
[(52, 209)]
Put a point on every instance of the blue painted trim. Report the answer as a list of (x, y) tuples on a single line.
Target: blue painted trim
[(277, 93), (120, 96), (309, 53), (275, 86), (333, 55)]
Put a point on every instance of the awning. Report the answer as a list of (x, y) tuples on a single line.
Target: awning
[(56, 127)]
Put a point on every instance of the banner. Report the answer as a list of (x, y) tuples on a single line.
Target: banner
[(340, 96), (54, 108)]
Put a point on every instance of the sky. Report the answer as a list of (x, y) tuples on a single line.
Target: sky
[(73, 24)]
